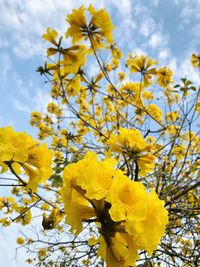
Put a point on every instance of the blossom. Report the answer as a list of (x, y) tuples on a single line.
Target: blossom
[(132, 91), (50, 36), (102, 23), (96, 177), (122, 209), (131, 142), (20, 240), (98, 28), (77, 209), (35, 118), (128, 199), (147, 232), (54, 109), (164, 77), (21, 151), (42, 252), (172, 116), (74, 87), (146, 164), (73, 58), (77, 22), (130, 139), (121, 252), (144, 65), (195, 60), (154, 111)]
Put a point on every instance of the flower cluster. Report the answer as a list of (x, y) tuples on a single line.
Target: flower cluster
[(144, 65), (20, 152), (99, 28), (195, 60), (131, 143), (128, 218)]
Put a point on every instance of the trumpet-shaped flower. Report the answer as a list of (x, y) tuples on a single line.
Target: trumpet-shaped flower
[(147, 232), (128, 199), (20, 150)]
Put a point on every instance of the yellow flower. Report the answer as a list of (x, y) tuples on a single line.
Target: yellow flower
[(179, 151), (74, 87), (99, 27), (25, 216), (164, 77), (14, 146), (102, 23), (131, 142), (127, 139), (96, 177), (154, 111), (172, 116), (73, 58), (50, 36), (42, 252), (77, 209), (132, 92), (147, 232), (45, 206), (77, 22), (127, 199), (121, 76), (146, 164), (148, 95), (121, 208), (142, 64), (197, 106), (20, 150), (116, 53), (38, 165), (5, 222), (20, 240), (195, 60), (52, 220), (54, 109), (36, 118), (90, 175), (121, 252)]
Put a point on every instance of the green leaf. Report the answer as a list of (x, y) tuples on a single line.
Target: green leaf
[(56, 180)]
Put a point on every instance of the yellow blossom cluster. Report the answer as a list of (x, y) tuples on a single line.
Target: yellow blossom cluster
[(144, 65), (127, 216), (164, 77), (98, 28), (131, 143), (127, 110), (20, 152)]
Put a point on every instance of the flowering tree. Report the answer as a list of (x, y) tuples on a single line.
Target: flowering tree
[(118, 184)]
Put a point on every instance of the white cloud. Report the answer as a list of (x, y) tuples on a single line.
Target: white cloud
[(147, 27), (164, 54), (25, 21), (157, 39)]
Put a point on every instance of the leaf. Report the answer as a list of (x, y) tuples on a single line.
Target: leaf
[(183, 80), (56, 180)]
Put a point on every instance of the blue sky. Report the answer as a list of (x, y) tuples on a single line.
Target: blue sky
[(167, 30)]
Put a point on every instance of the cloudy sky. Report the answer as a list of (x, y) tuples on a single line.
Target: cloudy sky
[(167, 30)]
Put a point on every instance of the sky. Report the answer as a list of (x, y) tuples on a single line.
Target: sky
[(166, 30)]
